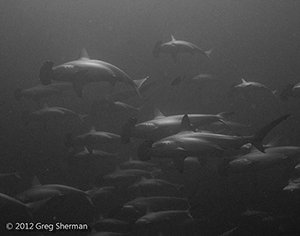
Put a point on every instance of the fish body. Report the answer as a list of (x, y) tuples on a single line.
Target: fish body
[(174, 47), (202, 144), (85, 70), (162, 126)]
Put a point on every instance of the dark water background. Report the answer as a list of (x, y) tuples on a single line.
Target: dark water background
[(256, 40)]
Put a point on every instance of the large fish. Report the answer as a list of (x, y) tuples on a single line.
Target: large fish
[(174, 47), (85, 70), (188, 143), (162, 126)]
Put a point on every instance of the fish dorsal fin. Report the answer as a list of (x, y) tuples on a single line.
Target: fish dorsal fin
[(93, 129), (158, 114), (244, 81), (173, 38), (185, 124), (84, 55), (35, 182), (130, 158)]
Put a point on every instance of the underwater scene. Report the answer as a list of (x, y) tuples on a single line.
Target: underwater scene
[(150, 118)]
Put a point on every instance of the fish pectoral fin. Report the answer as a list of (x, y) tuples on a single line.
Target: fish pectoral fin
[(179, 163)]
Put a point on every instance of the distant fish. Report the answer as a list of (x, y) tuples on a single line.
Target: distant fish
[(49, 113), (137, 164), (85, 70), (174, 47), (36, 93), (90, 138), (108, 106), (177, 81), (202, 78), (246, 87)]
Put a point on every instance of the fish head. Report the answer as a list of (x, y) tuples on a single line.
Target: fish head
[(127, 130), (46, 73)]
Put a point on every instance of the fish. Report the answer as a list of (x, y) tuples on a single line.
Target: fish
[(155, 187), (137, 164), (90, 138), (85, 70), (40, 192), (156, 203), (202, 78), (163, 218), (202, 144), (162, 126), (293, 185), (106, 105), (291, 90), (126, 177), (245, 86), (49, 113), (174, 47), (38, 92), (256, 160)]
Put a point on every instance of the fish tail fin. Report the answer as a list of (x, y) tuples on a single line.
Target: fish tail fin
[(138, 83), (208, 52), (46, 73), (259, 136)]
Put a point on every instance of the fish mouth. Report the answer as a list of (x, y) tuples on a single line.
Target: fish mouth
[(144, 150), (46, 73), (127, 130)]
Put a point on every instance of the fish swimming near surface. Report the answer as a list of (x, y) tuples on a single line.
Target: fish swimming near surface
[(174, 47), (85, 70), (50, 113), (162, 126), (201, 144), (90, 138), (38, 92)]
